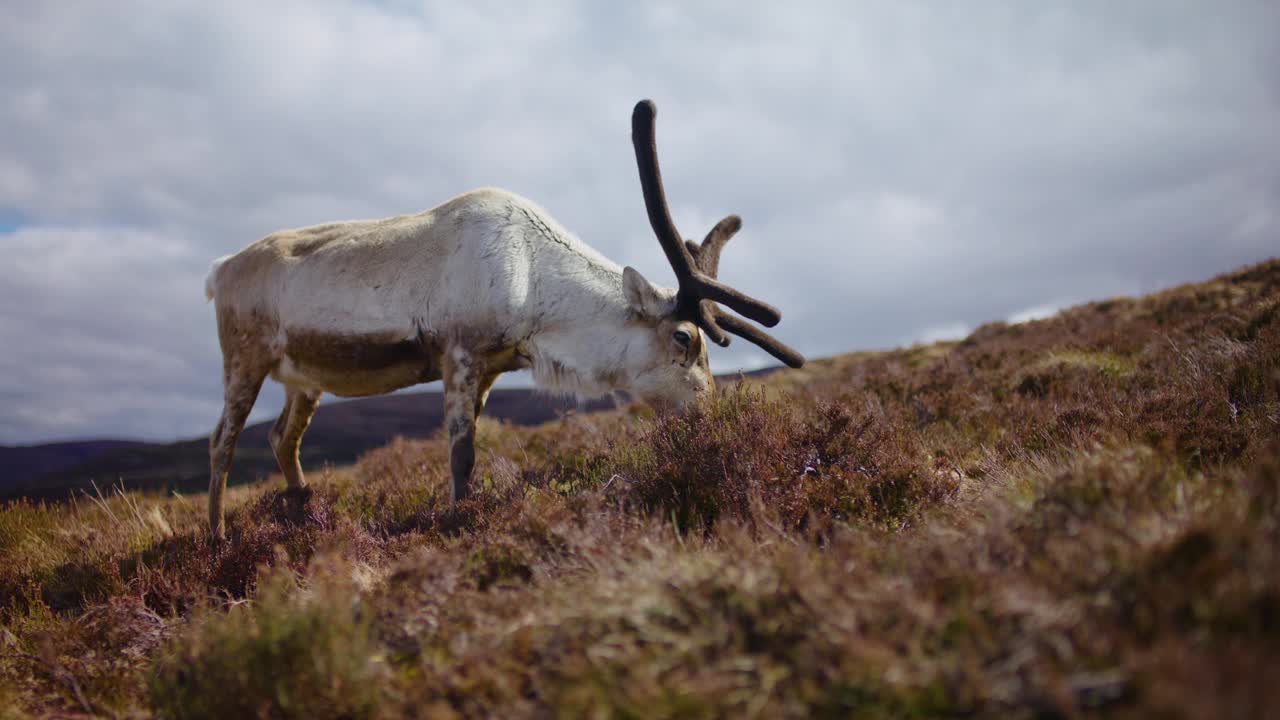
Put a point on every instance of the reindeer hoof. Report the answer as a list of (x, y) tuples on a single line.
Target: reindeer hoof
[(299, 493), (291, 504)]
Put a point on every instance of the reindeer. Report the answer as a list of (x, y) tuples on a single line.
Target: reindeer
[(482, 284)]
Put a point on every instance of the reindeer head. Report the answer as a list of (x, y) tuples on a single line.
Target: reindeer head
[(684, 318)]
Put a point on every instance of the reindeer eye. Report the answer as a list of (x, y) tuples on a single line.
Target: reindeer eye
[(682, 338)]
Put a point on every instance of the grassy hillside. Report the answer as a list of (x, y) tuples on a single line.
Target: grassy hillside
[(1078, 516)]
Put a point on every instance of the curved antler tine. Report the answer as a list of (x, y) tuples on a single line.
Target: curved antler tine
[(695, 252), (708, 255), (645, 141), (767, 342), (706, 319), (708, 288)]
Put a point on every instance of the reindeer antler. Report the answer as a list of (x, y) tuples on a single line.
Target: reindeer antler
[(707, 255), (696, 266)]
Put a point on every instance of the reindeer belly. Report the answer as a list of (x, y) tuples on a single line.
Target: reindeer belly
[(351, 365)]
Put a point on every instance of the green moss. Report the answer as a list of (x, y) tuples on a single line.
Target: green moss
[(1110, 365), (493, 564)]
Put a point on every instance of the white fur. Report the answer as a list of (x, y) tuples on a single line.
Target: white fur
[(486, 266), (213, 272)]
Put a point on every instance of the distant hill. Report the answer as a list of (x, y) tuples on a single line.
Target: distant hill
[(338, 435), (27, 462)]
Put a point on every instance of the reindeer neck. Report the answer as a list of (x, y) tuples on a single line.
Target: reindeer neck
[(582, 345)]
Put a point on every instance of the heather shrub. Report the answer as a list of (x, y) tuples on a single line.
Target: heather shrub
[(292, 652), (742, 448), (695, 467), (391, 484), (1072, 517), (183, 572)]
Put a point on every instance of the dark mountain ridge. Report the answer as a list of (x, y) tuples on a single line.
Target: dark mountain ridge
[(339, 433)]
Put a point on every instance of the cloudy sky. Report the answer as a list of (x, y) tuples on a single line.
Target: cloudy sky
[(906, 171)]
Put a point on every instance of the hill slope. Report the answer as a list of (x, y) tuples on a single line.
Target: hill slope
[(1071, 517)]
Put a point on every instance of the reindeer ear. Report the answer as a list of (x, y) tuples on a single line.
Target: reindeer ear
[(643, 297)]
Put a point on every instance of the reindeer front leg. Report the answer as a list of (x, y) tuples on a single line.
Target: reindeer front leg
[(462, 402)]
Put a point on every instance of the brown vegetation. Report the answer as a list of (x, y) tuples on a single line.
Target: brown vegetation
[(1071, 517)]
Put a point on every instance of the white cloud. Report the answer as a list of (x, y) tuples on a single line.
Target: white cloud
[(949, 331), (96, 324), (1035, 312), (904, 217)]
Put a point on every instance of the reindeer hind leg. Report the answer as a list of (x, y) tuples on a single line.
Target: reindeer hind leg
[(240, 390), (286, 434)]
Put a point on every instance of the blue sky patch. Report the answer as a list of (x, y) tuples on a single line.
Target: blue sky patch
[(10, 220)]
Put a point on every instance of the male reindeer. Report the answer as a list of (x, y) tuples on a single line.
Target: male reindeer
[(485, 283)]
